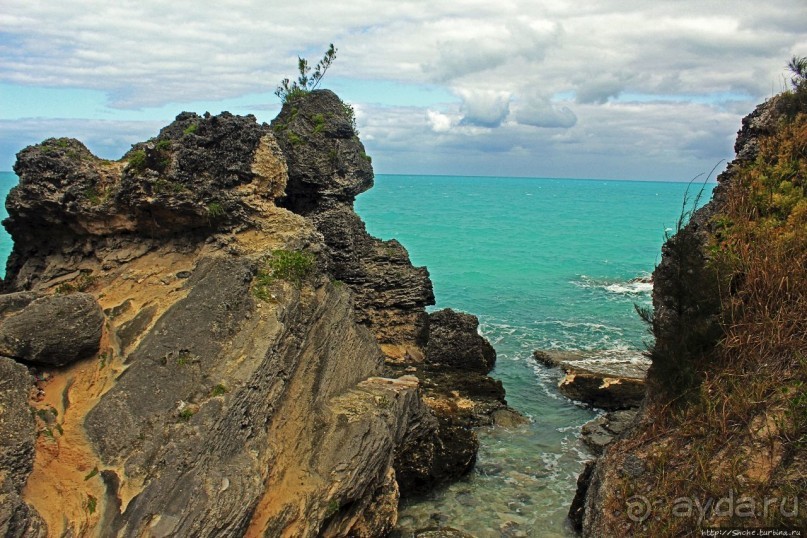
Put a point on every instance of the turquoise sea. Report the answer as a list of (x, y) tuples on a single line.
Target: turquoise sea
[(7, 180), (545, 264)]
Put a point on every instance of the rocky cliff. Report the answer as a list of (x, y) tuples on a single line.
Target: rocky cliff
[(720, 439), (201, 339)]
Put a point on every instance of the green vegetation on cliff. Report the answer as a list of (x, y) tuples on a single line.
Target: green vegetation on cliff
[(306, 81), (726, 414)]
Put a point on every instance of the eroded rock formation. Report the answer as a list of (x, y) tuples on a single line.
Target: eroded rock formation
[(242, 366)]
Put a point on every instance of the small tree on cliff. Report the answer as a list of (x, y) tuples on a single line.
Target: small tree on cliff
[(794, 101), (306, 81), (798, 67)]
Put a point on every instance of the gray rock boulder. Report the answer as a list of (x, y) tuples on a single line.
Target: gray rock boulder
[(455, 342), (11, 303), (53, 330), (603, 430)]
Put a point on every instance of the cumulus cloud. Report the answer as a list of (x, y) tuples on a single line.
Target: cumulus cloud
[(539, 111), (600, 87), (619, 140), (475, 45), (440, 123), (484, 108)]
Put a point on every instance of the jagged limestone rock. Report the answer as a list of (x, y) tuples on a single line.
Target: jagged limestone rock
[(230, 400), (455, 343), (328, 167)]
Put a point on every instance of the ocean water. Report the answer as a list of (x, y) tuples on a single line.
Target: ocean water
[(545, 264), (7, 180)]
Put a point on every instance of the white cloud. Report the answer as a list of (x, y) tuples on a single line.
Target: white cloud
[(484, 108), (618, 140), (440, 123), (513, 65), (538, 111)]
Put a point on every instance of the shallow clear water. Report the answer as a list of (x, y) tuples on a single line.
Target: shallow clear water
[(545, 264)]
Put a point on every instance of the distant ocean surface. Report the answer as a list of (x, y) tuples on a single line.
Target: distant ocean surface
[(545, 264)]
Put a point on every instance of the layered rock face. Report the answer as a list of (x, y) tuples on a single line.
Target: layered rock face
[(211, 327), (390, 294)]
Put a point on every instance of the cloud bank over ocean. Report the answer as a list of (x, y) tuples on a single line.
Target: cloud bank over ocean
[(631, 90)]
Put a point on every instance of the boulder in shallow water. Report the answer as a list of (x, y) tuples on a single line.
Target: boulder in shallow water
[(601, 391), (609, 380)]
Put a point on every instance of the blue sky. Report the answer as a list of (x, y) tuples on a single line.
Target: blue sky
[(623, 89)]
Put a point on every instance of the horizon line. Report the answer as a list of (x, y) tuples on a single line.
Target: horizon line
[(709, 180)]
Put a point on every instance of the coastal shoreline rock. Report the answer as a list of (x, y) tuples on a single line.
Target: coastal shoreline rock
[(17, 450), (599, 379), (443, 348), (252, 345), (691, 356)]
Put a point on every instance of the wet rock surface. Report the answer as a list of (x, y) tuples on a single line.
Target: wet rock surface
[(440, 532), (603, 430), (599, 379)]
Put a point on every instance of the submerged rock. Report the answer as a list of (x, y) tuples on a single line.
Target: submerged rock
[(440, 532)]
